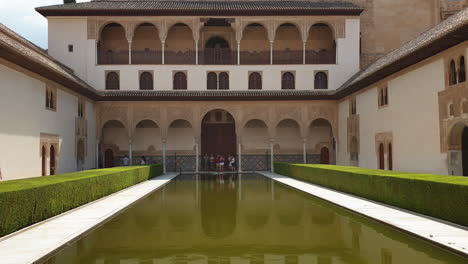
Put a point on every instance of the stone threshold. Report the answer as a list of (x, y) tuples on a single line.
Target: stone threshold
[(443, 234), (40, 241)]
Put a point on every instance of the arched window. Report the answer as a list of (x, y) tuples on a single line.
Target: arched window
[(462, 70), (146, 81), (321, 80), (381, 157), (255, 81), (47, 99), (112, 81), (287, 82), (224, 81), (180, 81), (212, 81), (390, 158), (452, 73)]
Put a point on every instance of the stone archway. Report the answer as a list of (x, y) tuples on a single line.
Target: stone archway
[(218, 134)]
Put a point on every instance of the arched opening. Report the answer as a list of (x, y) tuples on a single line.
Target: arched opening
[(180, 45), (255, 81), (52, 160), (180, 81), (108, 158), (223, 81), (112, 81), (321, 80), (462, 70), (321, 45), (255, 46), (217, 51), (44, 160), (287, 47), (212, 81), (464, 141), (146, 81), (354, 152), (147, 142), (287, 81), (114, 137), (381, 157), (219, 134), (288, 144), (256, 146), (113, 45), (180, 146), (452, 73), (320, 136), (146, 45), (324, 156), (390, 157), (80, 154)]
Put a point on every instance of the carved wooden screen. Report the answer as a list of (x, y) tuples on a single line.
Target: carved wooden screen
[(180, 81), (112, 81), (211, 81), (224, 81), (146, 81), (255, 81), (287, 82)]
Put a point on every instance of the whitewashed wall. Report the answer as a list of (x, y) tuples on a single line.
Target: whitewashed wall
[(412, 116), (23, 117)]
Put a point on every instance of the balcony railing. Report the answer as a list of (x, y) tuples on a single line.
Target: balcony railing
[(320, 57), (187, 57), (254, 57), (146, 57), (217, 57), (112, 57)]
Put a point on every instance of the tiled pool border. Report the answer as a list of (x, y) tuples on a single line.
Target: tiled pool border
[(446, 235), (40, 241)]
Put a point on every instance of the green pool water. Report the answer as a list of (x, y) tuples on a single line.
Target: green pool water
[(244, 219)]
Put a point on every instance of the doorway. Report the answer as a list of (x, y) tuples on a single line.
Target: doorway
[(324, 156), (464, 140), (52, 160), (109, 158)]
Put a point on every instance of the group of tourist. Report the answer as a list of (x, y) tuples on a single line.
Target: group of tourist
[(217, 162), (126, 160)]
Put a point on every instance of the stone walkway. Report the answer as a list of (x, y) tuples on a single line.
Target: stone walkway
[(39, 241), (447, 235)]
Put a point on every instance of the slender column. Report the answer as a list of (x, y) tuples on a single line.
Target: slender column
[(238, 53), (271, 154), (197, 161), (304, 149), (129, 52), (97, 154), (130, 153), (163, 48), (271, 52), (239, 158), (164, 155), (196, 52), (304, 53)]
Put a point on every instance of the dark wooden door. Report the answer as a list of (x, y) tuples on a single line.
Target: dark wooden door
[(219, 139), (381, 157), (52, 160), (324, 156), (44, 161), (109, 158)]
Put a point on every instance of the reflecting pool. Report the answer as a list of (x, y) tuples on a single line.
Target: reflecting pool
[(244, 219)]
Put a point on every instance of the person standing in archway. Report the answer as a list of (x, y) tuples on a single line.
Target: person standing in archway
[(125, 160)]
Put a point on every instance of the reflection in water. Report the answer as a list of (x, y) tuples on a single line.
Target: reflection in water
[(222, 219)]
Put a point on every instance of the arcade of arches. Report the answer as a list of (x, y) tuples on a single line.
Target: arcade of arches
[(218, 41), (179, 136)]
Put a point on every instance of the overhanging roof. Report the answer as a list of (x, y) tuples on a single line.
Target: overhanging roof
[(202, 8)]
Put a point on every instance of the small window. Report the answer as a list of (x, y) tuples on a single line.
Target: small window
[(390, 157), (112, 81), (288, 82), (51, 99), (223, 81), (352, 107), (321, 80), (212, 81), (255, 81), (386, 256), (452, 73), (180, 81), (70, 48), (383, 96), (146, 81), (462, 70), (81, 108)]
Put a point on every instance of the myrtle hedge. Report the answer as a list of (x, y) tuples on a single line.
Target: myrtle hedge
[(439, 196), (28, 201)]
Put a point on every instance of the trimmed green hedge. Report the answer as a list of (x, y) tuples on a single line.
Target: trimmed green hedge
[(28, 201), (439, 196)]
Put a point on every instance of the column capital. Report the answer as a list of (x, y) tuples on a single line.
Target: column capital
[(164, 140)]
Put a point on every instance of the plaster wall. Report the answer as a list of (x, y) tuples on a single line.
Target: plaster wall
[(24, 118), (412, 117)]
